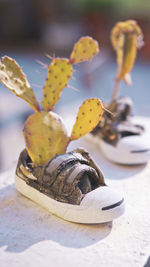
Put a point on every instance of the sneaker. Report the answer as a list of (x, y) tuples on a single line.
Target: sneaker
[(119, 138), (70, 186)]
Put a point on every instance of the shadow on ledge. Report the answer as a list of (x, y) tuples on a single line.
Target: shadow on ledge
[(23, 224)]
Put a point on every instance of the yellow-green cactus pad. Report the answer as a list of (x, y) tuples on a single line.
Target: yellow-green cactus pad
[(59, 73), (45, 136), (85, 49), (126, 38), (89, 115), (129, 57), (15, 80)]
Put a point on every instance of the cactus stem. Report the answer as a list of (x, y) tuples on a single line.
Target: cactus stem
[(116, 89)]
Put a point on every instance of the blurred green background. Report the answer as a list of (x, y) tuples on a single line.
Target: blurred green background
[(55, 24)]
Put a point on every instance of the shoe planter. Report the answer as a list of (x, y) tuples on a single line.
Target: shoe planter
[(120, 140), (70, 186), (118, 137)]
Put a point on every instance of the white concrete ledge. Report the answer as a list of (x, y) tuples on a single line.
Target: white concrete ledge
[(30, 236)]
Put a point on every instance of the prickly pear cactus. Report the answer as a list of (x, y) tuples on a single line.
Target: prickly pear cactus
[(45, 136), (15, 80), (85, 49), (59, 73), (89, 115), (44, 132), (126, 38), (129, 57)]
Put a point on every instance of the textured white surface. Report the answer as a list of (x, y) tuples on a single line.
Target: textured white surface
[(30, 236)]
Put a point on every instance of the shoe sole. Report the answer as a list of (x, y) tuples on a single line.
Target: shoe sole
[(83, 213)]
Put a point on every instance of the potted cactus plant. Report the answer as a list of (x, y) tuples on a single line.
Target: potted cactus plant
[(70, 185), (120, 139)]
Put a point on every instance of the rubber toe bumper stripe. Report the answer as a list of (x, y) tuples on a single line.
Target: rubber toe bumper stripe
[(113, 205), (140, 151)]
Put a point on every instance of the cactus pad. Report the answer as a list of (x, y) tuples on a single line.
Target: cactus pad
[(59, 73), (85, 49), (129, 57), (126, 38), (15, 80), (45, 136), (89, 115)]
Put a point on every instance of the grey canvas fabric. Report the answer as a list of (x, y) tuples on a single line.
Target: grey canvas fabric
[(66, 178)]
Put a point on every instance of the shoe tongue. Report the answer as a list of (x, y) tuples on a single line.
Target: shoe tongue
[(121, 108)]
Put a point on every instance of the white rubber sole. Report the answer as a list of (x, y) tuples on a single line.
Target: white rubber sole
[(98, 206), (130, 150)]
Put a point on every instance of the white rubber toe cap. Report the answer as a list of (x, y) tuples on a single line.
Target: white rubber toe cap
[(103, 204), (134, 149), (98, 206), (129, 150), (135, 143)]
